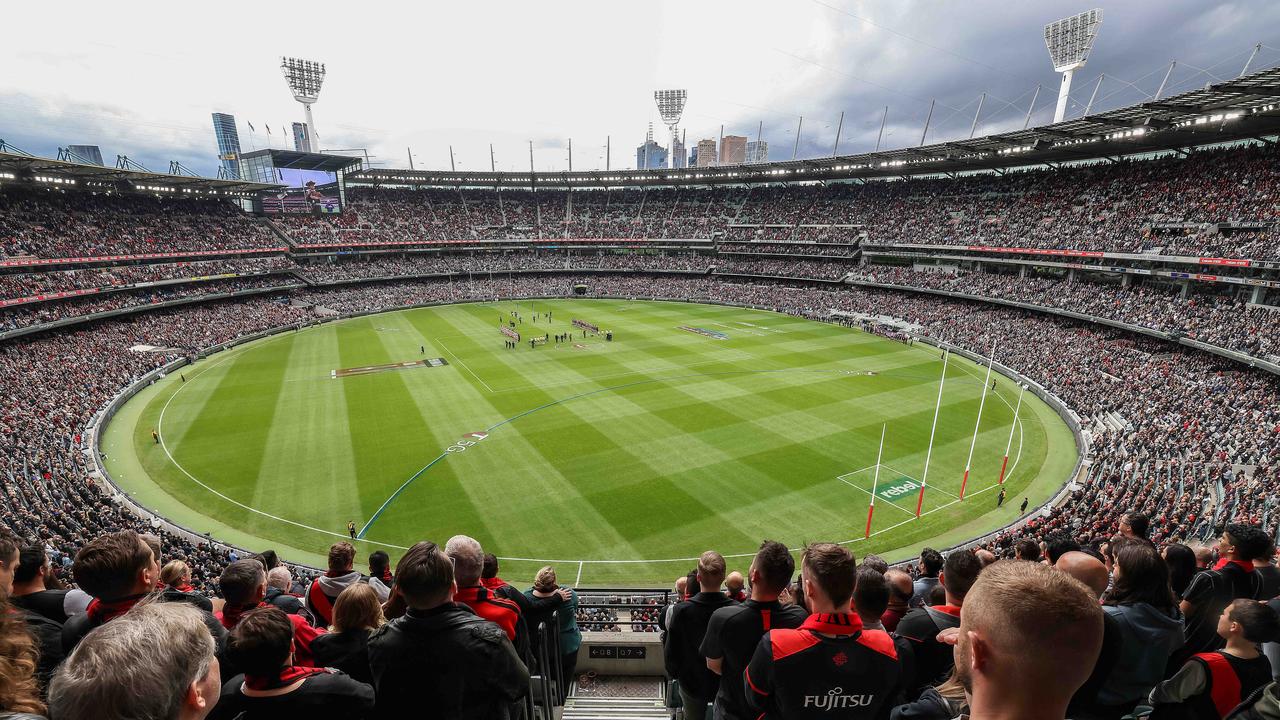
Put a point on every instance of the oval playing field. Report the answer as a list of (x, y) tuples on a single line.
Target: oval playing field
[(698, 426)]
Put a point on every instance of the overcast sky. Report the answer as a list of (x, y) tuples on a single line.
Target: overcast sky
[(141, 78)]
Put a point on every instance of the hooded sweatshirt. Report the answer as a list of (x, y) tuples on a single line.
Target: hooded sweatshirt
[(332, 586), (1147, 638), (1264, 704)]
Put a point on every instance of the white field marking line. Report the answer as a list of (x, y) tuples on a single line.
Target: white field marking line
[(916, 480), (578, 580), (868, 492), (854, 472), (160, 427), (463, 364), (1021, 429), (233, 501)]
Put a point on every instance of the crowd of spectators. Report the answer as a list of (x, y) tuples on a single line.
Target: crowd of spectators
[(26, 285), (49, 223), (1225, 321), (1216, 202)]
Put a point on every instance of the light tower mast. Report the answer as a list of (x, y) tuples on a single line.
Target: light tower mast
[(1069, 41), (305, 78), (671, 107)]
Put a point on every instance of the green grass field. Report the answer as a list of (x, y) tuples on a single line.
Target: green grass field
[(615, 461)]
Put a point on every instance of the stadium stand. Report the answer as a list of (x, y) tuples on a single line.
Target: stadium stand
[(1172, 376)]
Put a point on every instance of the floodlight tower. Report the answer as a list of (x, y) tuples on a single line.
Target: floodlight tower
[(671, 107), (1069, 41), (305, 78)]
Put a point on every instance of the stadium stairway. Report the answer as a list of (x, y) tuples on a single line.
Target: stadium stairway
[(617, 698)]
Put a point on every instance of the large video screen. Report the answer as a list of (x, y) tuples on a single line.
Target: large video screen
[(307, 192)]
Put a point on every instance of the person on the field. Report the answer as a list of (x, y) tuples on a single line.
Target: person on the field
[(325, 589), (685, 632), (1028, 638), (440, 658), (830, 666), (1211, 684), (1022, 509), (351, 529), (273, 686), (1000, 498)]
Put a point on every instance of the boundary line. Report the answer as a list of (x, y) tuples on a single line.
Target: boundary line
[(581, 563)]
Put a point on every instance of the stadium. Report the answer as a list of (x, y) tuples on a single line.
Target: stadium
[(829, 397)]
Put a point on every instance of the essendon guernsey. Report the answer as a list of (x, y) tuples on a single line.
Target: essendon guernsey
[(828, 667)]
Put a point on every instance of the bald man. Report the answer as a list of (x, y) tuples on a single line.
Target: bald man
[(1090, 571), (986, 557), (901, 587), (1029, 638), (734, 585)]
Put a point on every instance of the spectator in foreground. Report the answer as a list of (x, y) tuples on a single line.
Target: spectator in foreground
[(734, 630), (272, 686), (900, 591), (929, 567), (324, 590), (117, 569), (829, 663), (1265, 564), (735, 586), (346, 647), (1093, 574), (1142, 604), (686, 629), (123, 670), (1028, 639), (31, 585), (440, 658), (1211, 684), (244, 585), (933, 659), (468, 566), (1135, 525), (380, 578), (20, 651), (1210, 592), (279, 581), (546, 587), (1182, 566)]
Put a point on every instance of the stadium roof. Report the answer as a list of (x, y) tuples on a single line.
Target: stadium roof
[(1240, 109), (25, 167), (294, 160)]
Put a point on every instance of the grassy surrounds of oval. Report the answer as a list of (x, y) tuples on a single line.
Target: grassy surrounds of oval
[(696, 427)]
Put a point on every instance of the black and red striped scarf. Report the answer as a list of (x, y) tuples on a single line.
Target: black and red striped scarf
[(287, 676), (101, 611), (230, 615)]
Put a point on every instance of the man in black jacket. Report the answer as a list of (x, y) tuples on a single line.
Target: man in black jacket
[(685, 631), (440, 659), (1210, 592), (734, 630), (934, 660), (31, 585), (272, 686)]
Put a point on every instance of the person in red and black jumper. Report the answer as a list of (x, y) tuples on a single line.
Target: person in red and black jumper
[(1211, 684), (324, 590), (468, 565), (273, 686), (116, 570), (1210, 592), (828, 667), (934, 660), (244, 584)]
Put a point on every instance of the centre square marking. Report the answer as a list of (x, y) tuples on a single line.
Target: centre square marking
[(371, 369)]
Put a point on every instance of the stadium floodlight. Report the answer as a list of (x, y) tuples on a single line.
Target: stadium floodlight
[(305, 78), (671, 107), (1069, 41)]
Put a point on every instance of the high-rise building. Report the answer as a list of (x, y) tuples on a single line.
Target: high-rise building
[(707, 153), (89, 153), (301, 138), (678, 157), (651, 156), (224, 129), (733, 150), (758, 151)]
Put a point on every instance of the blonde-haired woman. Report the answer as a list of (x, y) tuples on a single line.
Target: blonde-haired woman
[(544, 586), (176, 575), (356, 613)]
